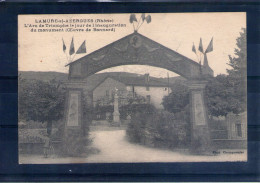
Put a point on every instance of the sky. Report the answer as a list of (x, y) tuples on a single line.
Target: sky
[(42, 51)]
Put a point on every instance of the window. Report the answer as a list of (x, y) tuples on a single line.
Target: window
[(113, 95), (107, 93), (239, 130)]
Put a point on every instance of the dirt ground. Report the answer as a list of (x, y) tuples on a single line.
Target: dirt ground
[(114, 147)]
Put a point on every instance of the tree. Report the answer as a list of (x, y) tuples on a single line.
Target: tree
[(223, 93), (238, 62), (178, 99), (220, 96), (40, 101), (227, 93), (238, 72)]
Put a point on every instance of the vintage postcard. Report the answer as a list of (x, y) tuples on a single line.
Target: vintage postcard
[(140, 87)]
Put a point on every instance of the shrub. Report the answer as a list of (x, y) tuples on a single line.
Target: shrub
[(140, 115), (40, 101), (76, 143), (160, 129), (178, 99), (134, 109)]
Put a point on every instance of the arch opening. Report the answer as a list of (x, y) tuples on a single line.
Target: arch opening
[(149, 53)]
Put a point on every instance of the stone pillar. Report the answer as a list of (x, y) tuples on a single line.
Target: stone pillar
[(116, 114), (73, 136), (200, 138)]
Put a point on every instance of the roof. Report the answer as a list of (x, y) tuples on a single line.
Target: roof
[(139, 81), (135, 81)]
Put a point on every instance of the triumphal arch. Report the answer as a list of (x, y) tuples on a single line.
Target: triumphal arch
[(136, 49)]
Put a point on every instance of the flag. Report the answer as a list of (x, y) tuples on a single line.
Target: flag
[(205, 60), (132, 18), (200, 46), (64, 46), (72, 49), (193, 48), (82, 48), (148, 19), (210, 47), (143, 16)]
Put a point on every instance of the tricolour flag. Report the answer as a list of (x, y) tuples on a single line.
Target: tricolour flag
[(210, 46), (201, 46), (64, 46), (132, 18), (148, 19), (72, 49), (193, 48), (82, 48), (143, 16)]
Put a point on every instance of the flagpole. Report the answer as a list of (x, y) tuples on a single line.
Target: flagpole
[(67, 56), (134, 25), (201, 66), (138, 22), (73, 57), (200, 48), (197, 57), (140, 25), (200, 57), (194, 50)]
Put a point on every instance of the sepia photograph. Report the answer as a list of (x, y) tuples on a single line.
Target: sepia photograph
[(132, 88)]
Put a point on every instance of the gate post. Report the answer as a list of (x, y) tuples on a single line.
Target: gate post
[(73, 133), (200, 135)]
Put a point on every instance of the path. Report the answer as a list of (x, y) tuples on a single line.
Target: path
[(114, 147)]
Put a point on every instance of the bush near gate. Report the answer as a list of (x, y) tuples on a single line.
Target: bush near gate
[(160, 129)]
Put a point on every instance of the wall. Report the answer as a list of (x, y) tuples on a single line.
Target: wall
[(108, 85), (224, 134), (156, 93), (237, 119)]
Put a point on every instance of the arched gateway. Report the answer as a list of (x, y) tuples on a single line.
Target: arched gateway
[(136, 49)]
